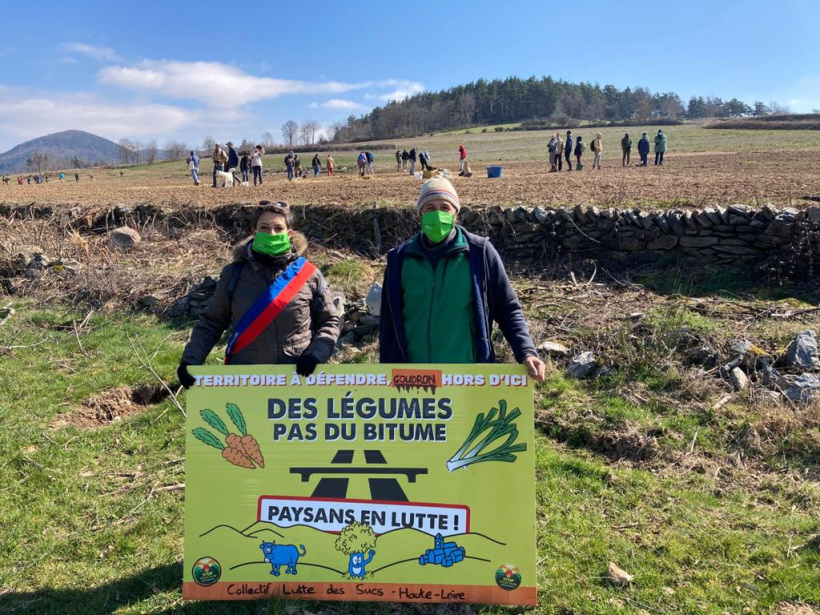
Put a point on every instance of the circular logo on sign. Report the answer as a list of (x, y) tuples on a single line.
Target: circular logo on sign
[(206, 571), (508, 577)]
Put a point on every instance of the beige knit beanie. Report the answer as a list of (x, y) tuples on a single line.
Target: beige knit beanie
[(435, 189)]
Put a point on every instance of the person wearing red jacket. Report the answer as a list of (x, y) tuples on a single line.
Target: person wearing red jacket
[(462, 160)]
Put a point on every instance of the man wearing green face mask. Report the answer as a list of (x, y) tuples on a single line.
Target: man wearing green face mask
[(277, 304), (444, 288)]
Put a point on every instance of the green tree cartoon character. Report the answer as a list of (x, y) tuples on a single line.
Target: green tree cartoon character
[(354, 541)]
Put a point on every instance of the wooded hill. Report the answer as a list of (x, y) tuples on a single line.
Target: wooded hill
[(67, 149), (514, 100)]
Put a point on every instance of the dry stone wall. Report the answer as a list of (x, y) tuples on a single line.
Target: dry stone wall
[(723, 235), (735, 234)]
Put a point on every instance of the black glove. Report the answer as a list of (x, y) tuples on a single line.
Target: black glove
[(185, 379), (306, 364)]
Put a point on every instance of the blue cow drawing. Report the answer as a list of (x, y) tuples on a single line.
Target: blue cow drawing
[(357, 563), (282, 555)]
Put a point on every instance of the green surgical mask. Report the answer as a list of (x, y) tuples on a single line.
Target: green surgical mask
[(436, 225), (271, 245)]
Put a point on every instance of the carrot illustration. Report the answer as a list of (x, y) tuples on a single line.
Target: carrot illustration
[(233, 455), (233, 440), (248, 442), (237, 457), (253, 450), (214, 421)]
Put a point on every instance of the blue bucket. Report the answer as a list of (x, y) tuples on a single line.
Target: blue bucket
[(494, 171)]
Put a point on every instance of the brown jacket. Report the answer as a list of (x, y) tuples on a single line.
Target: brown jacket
[(309, 323), (220, 156)]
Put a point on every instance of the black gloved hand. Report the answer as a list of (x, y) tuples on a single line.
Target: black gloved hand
[(185, 379), (306, 364)]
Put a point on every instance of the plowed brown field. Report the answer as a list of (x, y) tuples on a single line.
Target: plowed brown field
[(691, 179)]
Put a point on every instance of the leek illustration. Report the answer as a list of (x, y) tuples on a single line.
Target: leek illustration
[(483, 442)]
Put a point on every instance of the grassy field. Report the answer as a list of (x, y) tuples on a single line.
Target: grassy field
[(713, 510), (520, 146), (703, 168), (707, 496)]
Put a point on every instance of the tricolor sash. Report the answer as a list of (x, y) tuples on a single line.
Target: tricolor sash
[(269, 305)]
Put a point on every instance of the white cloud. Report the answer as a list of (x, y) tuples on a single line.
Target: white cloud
[(340, 103), (221, 85), (404, 89), (94, 52), (313, 105), (22, 119), (215, 84), (132, 78)]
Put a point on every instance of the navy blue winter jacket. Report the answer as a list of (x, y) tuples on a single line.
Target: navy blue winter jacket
[(494, 300), (568, 145), (233, 158), (643, 145)]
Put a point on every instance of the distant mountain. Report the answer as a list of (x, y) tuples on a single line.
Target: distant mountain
[(61, 148)]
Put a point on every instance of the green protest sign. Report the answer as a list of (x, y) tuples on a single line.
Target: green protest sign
[(361, 482)]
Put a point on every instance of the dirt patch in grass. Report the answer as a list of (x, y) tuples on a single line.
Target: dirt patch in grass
[(786, 608), (627, 443), (111, 406)]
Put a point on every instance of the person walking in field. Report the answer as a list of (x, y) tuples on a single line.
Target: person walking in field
[(276, 303), (233, 158), (597, 147), (256, 164), (626, 149), (193, 167), (361, 163), (462, 160), (370, 159), (443, 290), (219, 158), (660, 148), (289, 164), (552, 144), (643, 149), (411, 157), (423, 161), (398, 160), (559, 150), (568, 145), (331, 165), (580, 148), (245, 167), (317, 165), (404, 158)]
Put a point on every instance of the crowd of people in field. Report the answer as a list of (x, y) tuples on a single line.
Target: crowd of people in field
[(561, 150), (237, 168), (227, 161), (41, 178)]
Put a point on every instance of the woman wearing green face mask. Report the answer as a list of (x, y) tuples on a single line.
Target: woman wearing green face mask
[(444, 288), (276, 303)]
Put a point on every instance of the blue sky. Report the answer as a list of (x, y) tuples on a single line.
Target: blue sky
[(184, 70)]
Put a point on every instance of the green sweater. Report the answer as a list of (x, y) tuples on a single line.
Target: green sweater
[(437, 303)]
